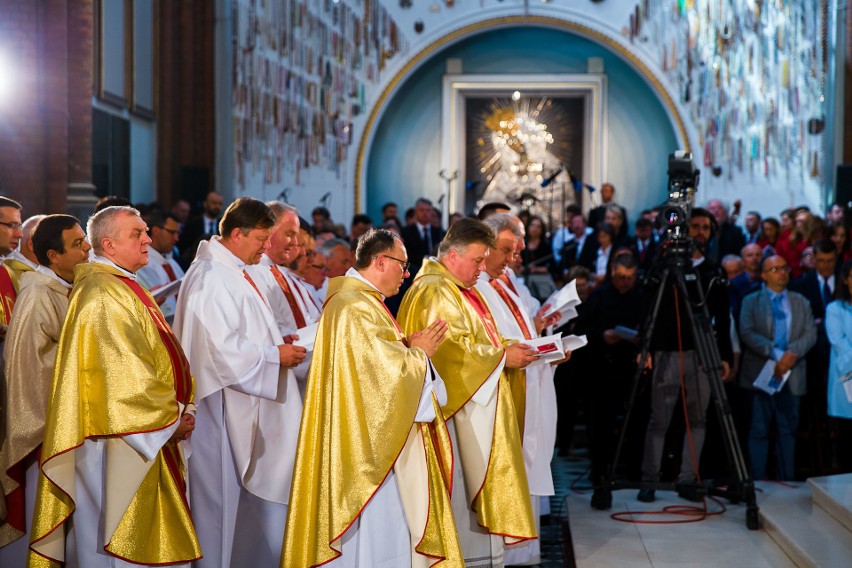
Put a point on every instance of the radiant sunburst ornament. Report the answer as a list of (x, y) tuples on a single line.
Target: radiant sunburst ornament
[(516, 151)]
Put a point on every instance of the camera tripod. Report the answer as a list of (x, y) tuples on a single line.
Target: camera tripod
[(675, 261)]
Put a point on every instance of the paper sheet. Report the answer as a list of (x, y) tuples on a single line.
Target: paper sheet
[(847, 385), (167, 290), (574, 342), (307, 335), (767, 381), (563, 299), (549, 348)]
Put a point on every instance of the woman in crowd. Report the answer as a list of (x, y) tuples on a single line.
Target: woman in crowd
[(838, 327), (537, 257), (840, 238), (600, 264), (770, 228)]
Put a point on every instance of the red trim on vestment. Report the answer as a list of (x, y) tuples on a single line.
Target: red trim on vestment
[(8, 295), (16, 511), (288, 295)]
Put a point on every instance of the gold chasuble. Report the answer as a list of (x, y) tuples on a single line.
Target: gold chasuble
[(468, 356), (358, 424), (30, 354), (119, 371), (17, 269)]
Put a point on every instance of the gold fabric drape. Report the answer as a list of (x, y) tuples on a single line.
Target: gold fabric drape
[(114, 377), (30, 352), (465, 359), (362, 396)]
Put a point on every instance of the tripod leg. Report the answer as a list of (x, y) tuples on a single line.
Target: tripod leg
[(711, 361)]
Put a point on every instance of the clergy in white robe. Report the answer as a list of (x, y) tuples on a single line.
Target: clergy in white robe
[(277, 283), (370, 487), (30, 353), (241, 461), (539, 416), (119, 408), (162, 268)]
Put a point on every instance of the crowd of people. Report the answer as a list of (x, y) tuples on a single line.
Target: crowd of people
[(247, 387)]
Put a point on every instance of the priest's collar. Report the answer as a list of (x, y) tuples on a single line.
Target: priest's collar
[(266, 261), (214, 249), (352, 273), (41, 269), (17, 255), (104, 260), (484, 277)]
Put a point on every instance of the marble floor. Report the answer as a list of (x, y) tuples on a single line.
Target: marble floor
[(599, 541)]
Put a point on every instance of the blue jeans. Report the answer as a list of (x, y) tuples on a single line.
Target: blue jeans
[(783, 407)]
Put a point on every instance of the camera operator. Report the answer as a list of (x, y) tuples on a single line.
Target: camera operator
[(672, 343)]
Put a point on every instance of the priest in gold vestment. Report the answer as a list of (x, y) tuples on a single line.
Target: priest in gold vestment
[(111, 459), (492, 505), (370, 486), (30, 352)]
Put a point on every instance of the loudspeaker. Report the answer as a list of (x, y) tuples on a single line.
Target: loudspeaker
[(194, 185), (843, 195)]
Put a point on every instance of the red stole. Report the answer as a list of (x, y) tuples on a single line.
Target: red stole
[(7, 295), (504, 278), (516, 312), (182, 377), (291, 299), (170, 272), (484, 314)]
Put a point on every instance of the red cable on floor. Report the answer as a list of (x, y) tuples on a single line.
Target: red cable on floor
[(693, 513)]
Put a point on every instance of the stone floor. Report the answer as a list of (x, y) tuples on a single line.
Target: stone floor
[(599, 541)]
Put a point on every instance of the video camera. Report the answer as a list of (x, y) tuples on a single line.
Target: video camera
[(675, 213)]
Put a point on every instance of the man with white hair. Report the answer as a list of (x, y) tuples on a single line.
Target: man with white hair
[(309, 269), (119, 407), (277, 284), (248, 398), (535, 394), (23, 258)]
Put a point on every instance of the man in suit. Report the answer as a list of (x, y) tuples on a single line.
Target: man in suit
[(818, 287), (596, 215), (644, 246), (201, 227), (729, 238), (776, 325), (421, 238)]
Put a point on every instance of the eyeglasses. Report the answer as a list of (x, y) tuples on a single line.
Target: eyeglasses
[(171, 231), (14, 226), (775, 269), (403, 263), (319, 267)]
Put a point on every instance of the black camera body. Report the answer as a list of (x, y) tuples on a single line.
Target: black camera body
[(674, 215)]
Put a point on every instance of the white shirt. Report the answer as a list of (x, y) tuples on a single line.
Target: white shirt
[(602, 260), (51, 274)]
